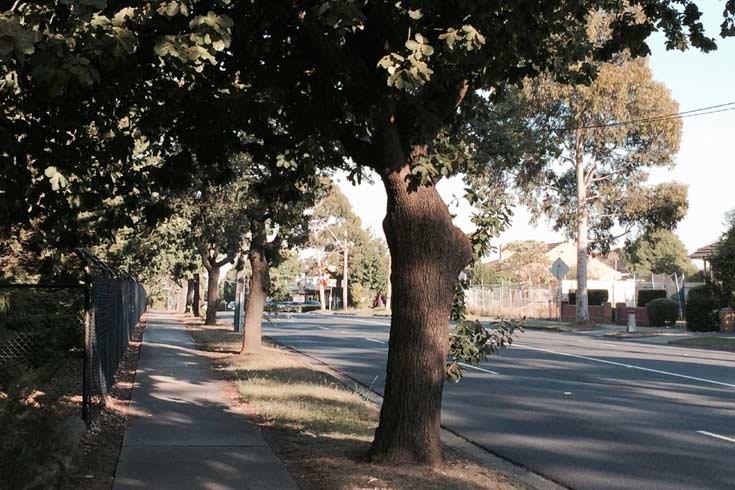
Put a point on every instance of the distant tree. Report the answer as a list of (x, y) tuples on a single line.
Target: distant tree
[(335, 232), (285, 275), (526, 262), (370, 266), (596, 181), (489, 273), (658, 252), (723, 262), (219, 226)]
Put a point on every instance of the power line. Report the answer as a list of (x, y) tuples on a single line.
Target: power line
[(728, 106)]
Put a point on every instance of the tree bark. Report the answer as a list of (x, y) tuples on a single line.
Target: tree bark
[(259, 286), (428, 252), (189, 295), (212, 294), (196, 301), (582, 310)]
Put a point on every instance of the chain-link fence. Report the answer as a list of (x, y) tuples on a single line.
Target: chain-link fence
[(513, 301), (59, 342), (114, 302)]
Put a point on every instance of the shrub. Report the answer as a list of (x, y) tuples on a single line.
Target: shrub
[(596, 297), (662, 311), (647, 295), (702, 310)]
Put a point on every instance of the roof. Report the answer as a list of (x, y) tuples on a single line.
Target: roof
[(705, 252), (552, 246)]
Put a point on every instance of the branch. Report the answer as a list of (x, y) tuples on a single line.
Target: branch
[(205, 258), (229, 258), (359, 151)]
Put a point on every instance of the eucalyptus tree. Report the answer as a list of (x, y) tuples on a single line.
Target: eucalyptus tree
[(609, 138)]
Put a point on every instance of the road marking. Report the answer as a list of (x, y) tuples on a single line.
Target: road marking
[(470, 366), (368, 321), (323, 328), (629, 366), (376, 341), (716, 436), (567, 392)]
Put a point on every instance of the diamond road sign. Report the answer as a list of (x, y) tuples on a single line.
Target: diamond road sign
[(559, 268)]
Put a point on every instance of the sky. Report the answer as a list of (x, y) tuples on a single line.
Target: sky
[(705, 162)]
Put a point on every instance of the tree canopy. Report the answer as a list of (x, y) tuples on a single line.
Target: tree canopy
[(658, 252)]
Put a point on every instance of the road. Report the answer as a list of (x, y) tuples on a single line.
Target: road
[(585, 412)]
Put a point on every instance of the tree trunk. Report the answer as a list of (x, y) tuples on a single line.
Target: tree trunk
[(345, 280), (322, 295), (259, 286), (428, 253), (190, 284), (583, 312), (212, 294), (196, 302)]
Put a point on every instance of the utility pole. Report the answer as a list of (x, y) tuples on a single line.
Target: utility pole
[(345, 250)]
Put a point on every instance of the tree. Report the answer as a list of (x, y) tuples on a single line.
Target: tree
[(723, 263), (219, 224), (280, 193), (602, 162), (383, 83), (370, 267), (658, 252), (285, 275), (526, 262), (335, 232), (489, 273)]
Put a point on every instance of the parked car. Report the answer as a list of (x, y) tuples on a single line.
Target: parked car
[(231, 305), (311, 305)]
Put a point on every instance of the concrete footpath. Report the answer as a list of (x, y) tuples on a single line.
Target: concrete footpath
[(182, 432)]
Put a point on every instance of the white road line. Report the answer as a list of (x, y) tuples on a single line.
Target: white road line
[(368, 321), (323, 328), (667, 373), (470, 366), (716, 436), (376, 341)]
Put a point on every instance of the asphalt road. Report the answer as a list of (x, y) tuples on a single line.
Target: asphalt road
[(586, 412)]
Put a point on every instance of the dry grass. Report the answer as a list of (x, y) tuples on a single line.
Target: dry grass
[(322, 430)]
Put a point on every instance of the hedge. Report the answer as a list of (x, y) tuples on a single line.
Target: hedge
[(647, 295), (662, 311), (702, 310), (595, 297)]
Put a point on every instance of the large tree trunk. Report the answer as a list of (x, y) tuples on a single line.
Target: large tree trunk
[(259, 286), (190, 284), (196, 301), (428, 252), (212, 294), (583, 311)]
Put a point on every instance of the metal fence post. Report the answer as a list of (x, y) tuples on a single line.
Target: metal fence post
[(86, 363)]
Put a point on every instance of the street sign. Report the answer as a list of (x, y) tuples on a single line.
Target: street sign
[(559, 268)]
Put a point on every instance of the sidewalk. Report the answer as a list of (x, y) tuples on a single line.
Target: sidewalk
[(183, 433)]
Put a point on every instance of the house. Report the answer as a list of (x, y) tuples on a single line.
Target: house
[(700, 258), (598, 266)]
